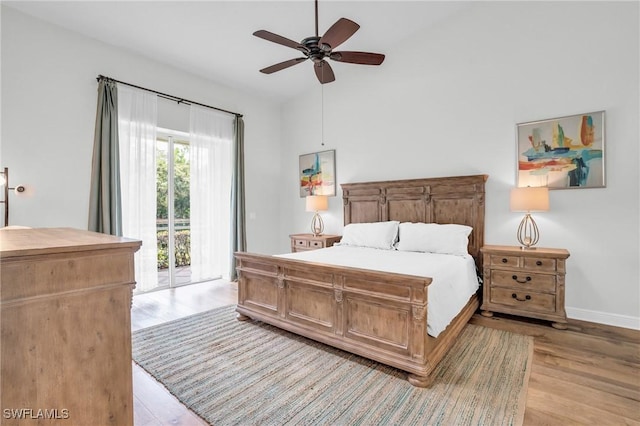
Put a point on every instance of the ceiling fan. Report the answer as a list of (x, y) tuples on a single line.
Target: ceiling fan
[(319, 48)]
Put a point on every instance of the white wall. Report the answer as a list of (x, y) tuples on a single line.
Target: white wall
[(48, 117), (446, 102)]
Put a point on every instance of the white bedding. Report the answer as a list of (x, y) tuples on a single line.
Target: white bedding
[(454, 277)]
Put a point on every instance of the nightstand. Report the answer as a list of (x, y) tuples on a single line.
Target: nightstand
[(528, 283), (303, 242)]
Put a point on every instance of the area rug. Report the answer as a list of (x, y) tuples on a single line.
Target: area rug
[(249, 373)]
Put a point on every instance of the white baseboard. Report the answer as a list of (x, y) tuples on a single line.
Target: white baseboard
[(615, 320)]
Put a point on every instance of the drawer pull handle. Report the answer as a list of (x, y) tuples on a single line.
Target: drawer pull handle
[(527, 279), (504, 260), (515, 296), (539, 262)]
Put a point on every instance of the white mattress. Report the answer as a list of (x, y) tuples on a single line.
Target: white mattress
[(454, 277)]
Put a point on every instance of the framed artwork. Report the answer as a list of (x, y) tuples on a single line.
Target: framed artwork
[(317, 173), (562, 153)]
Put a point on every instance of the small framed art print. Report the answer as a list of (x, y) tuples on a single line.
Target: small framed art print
[(317, 173)]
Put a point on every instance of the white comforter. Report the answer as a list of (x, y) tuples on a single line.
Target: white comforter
[(454, 277)]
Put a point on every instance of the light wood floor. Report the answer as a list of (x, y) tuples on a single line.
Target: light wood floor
[(586, 375)]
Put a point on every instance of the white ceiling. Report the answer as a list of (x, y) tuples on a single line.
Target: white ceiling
[(214, 39)]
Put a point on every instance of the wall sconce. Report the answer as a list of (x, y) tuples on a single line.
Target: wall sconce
[(528, 199), (4, 181), (316, 203)]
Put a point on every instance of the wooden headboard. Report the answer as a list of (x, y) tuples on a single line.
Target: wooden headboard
[(458, 199)]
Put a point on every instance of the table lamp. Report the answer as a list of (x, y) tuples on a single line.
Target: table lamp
[(528, 199), (316, 203)]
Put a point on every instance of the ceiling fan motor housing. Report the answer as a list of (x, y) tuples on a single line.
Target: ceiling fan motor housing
[(314, 52)]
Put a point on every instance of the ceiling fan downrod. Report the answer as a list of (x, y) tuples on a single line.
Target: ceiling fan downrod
[(316, 18)]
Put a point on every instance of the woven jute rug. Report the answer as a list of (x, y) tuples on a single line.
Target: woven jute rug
[(248, 373)]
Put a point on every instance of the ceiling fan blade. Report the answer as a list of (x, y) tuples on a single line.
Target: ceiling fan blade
[(282, 65), (363, 58), (338, 34), (275, 38), (324, 72)]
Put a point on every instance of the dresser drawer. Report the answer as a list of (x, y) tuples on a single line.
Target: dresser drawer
[(301, 243), (524, 280), (524, 300)]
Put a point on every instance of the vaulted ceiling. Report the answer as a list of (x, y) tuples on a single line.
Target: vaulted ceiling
[(213, 39)]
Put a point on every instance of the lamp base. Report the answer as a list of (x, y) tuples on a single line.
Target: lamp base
[(528, 234), (317, 225)]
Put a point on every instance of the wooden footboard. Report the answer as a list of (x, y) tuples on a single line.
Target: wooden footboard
[(378, 315)]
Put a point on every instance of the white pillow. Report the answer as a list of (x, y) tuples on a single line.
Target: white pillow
[(380, 235), (434, 238)]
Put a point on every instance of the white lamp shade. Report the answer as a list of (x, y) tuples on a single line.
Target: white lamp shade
[(316, 203), (530, 199)]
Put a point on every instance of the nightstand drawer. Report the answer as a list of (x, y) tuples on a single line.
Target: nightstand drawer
[(540, 264), (316, 244), (510, 261), (524, 300), (301, 243), (518, 279), (304, 242)]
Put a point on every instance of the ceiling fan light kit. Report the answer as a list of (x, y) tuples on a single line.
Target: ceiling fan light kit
[(318, 48)]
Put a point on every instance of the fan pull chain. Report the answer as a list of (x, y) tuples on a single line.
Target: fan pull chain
[(322, 110)]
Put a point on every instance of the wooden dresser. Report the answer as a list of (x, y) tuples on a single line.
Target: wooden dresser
[(65, 342), (528, 283), (304, 242)]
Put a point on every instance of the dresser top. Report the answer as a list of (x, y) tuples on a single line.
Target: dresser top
[(38, 241)]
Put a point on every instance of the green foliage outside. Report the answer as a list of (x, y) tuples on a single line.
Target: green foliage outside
[(181, 183), (181, 206), (182, 248)]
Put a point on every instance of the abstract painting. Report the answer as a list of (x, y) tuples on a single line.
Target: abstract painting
[(562, 153), (318, 173)]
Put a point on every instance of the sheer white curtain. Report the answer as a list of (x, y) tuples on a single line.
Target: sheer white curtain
[(137, 123), (211, 136)]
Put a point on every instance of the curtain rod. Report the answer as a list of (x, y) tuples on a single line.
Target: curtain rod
[(165, 96)]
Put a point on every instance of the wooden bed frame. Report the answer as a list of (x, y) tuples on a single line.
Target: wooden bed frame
[(378, 315)]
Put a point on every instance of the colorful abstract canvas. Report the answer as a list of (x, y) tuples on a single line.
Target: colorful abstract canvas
[(562, 153), (317, 173)]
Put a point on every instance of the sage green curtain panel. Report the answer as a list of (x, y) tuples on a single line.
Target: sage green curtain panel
[(105, 204), (238, 226)]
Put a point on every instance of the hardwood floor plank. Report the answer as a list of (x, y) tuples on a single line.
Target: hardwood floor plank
[(581, 394), (610, 372), (592, 381), (573, 412), (626, 352), (535, 417), (142, 416)]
